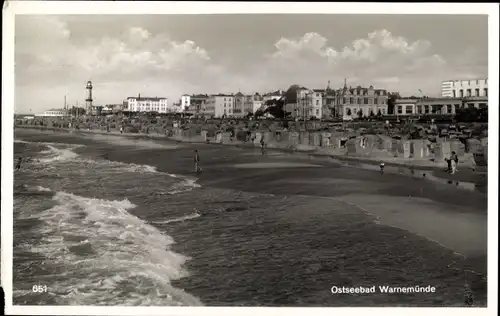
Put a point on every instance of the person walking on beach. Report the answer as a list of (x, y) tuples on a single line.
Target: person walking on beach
[(18, 164), (196, 161), (454, 162), (448, 161)]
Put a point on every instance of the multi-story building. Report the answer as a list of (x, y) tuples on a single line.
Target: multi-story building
[(352, 102), (185, 101), (218, 105), (148, 104), (239, 105), (464, 88), (253, 103)]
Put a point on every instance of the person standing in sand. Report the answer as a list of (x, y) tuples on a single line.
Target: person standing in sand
[(196, 161), (262, 146), (18, 164), (454, 162)]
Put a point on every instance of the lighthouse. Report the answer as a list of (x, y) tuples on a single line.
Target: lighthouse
[(88, 100)]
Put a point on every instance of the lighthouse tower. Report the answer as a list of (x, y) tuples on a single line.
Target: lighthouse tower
[(88, 100)]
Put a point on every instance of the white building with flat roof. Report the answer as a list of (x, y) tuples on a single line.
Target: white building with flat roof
[(54, 113), (219, 105), (464, 88), (185, 101), (147, 104)]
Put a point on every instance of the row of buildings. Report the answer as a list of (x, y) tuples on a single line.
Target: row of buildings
[(300, 102)]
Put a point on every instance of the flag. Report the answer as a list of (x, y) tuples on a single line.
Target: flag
[(419, 90)]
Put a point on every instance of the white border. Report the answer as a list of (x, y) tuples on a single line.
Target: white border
[(91, 7)]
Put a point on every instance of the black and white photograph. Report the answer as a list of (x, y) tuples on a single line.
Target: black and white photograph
[(249, 158)]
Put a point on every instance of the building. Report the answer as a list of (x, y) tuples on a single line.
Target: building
[(185, 101), (96, 110), (405, 106), (148, 104), (239, 105), (297, 101), (54, 113), (275, 95), (351, 102), (218, 105), (193, 103), (253, 103), (438, 106), (464, 88)]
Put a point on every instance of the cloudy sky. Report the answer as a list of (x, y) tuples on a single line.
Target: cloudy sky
[(168, 55)]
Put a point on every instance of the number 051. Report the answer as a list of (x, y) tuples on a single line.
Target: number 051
[(39, 288)]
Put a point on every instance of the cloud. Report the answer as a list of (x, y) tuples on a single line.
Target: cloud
[(54, 58), (380, 57), (47, 56)]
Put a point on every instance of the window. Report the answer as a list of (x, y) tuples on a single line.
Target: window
[(454, 94), (449, 109), (461, 93), (409, 109), (317, 102), (469, 92), (483, 105), (317, 112), (477, 92), (426, 107), (345, 100), (366, 100), (383, 111), (400, 109), (419, 109), (485, 92), (376, 100), (351, 100)]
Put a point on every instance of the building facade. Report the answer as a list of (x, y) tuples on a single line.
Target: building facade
[(239, 105), (252, 104), (148, 104), (352, 103), (464, 88), (438, 106), (185, 101), (219, 105), (405, 106), (297, 101)]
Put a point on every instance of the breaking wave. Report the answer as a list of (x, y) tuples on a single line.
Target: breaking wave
[(106, 250)]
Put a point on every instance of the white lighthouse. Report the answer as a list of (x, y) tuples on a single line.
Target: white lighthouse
[(88, 100)]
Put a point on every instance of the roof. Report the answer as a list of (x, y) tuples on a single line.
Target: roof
[(146, 98), (274, 93), (222, 95), (59, 110), (319, 90), (403, 101), (239, 94)]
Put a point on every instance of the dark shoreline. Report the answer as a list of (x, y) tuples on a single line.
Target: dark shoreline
[(479, 179)]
